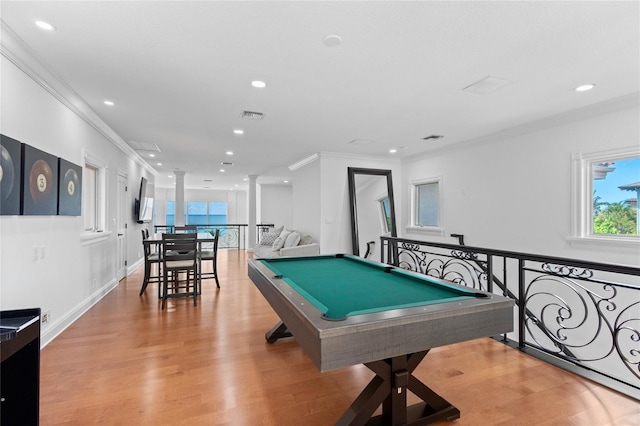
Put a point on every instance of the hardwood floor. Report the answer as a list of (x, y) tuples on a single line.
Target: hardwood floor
[(126, 362)]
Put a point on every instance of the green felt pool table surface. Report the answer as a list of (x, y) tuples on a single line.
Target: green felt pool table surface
[(344, 285)]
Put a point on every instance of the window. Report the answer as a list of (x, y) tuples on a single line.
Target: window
[(605, 196), (426, 202), (94, 201), (90, 198), (198, 213), (616, 185)]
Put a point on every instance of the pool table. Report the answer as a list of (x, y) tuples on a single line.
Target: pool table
[(344, 310)]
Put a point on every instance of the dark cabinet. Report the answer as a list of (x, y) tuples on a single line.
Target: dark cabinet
[(20, 367)]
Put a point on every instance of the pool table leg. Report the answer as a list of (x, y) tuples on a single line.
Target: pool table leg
[(389, 388), (279, 331)]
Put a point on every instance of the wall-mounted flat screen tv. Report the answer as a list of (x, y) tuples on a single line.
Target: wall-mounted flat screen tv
[(144, 210)]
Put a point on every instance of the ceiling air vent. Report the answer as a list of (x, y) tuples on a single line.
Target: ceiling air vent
[(432, 137), (144, 146), (226, 163), (486, 85), (252, 115)]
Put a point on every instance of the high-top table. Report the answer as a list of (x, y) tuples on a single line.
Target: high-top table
[(155, 242)]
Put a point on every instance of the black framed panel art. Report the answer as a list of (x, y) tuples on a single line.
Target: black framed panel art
[(10, 175), (70, 188), (40, 182)]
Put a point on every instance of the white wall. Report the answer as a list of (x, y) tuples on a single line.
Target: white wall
[(73, 274), (306, 200), (514, 193), (276, 205), (332, 215)]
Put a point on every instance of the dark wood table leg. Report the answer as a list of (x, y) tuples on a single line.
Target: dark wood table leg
[(389, 387), (279, 331)]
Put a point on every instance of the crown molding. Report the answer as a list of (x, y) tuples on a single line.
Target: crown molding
[(377, 158), (307, 160), (16, 51)]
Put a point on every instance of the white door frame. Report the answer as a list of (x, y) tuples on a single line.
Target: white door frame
[(122, 211)]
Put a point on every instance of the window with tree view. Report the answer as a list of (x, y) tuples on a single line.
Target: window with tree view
[(616, 186)]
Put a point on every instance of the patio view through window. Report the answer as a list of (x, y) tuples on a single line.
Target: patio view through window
[(616, 185), (198, 213)]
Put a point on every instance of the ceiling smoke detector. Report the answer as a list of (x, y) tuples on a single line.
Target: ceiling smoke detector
[(430, 137), (252, 115)]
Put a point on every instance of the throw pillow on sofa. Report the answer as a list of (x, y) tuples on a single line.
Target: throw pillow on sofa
[(268, 238), (292, 239), (279, 242), (305, 239)]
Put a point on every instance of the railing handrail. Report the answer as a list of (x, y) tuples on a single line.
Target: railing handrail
[(576, 314), (608, 267)]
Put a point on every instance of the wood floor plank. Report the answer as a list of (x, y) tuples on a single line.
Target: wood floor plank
[(127, 362)]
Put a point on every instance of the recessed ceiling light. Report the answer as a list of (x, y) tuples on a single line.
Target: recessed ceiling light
[(393, 150), (285, 181), (159, 164), (238, 132), (170, 176), (332, 40), (235, 184), (222, 170), (259, 84), (229, 152), (245, 179), (45, 26), (585, 87), (152, 155), (109, 103)]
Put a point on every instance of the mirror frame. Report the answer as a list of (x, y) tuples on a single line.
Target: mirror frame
[(352, 172)]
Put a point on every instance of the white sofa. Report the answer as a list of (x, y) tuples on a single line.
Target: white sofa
[(281, 242)]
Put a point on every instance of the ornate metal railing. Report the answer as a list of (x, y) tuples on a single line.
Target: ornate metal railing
[(571, 311), (232, 235)]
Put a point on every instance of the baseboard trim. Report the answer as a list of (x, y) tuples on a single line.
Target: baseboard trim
[(71, 316)]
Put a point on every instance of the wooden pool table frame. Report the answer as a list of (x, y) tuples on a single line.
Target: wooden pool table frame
[(391, 343)]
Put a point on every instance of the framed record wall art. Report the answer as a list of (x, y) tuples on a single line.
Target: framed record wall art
[(40, 182), (70, 188), (10, 175)]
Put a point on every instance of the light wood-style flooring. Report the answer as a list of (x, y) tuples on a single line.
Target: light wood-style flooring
[(126, 362)]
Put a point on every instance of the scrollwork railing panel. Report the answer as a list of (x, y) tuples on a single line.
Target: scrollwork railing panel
[(458, 266), (582, 312), (575, 315)]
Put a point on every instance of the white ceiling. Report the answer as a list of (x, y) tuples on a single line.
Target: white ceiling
[(179, 73)]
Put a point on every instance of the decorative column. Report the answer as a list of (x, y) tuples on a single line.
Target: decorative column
[(179, 217), (252, 202)]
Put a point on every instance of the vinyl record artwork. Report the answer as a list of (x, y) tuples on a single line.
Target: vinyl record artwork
[(40, 182), (70, 190), (10, 175)]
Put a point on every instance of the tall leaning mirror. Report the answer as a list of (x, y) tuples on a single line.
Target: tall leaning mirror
[(372, 209)]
